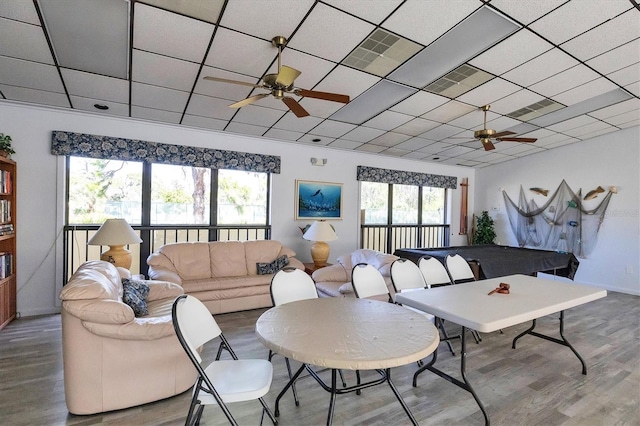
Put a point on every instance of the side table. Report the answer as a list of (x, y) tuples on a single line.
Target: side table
[(309, 268)]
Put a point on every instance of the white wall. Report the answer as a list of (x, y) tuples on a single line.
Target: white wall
[(39, 220), (608, 160)]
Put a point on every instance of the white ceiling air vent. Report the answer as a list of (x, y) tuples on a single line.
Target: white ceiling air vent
[(534, 110), (458, 81), (381, 53)]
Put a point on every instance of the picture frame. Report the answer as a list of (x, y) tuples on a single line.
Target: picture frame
[(318, 200)]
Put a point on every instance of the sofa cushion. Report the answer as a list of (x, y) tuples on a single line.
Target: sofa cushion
[(346, 288), (134, 294), (227, 259), (272, 267), (263, 251), (222, 283), (93, 280), (191, 260), (103, 311)]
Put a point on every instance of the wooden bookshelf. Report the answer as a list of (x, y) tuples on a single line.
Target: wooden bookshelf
[(7, 241)]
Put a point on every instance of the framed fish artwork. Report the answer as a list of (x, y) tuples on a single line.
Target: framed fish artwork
[(318, 200)]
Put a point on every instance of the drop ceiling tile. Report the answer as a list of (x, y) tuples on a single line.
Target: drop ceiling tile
[(618, 58), (313, 69), (489, 92), (415, 155), (170, 34), (626, 75), (539, 134), (558, 144), (520, 149), (20, 10), (439, 16), (388, 120), (155, 114), (434, 148), (634, 88), (246, 129), (207, 106), (204, 122), (257, 115), (540, 68), (302, 125), (96, 86), (456, 151), (549, 141), (632, 123), (271, 102), (576, 17), (88, 104), (573, 123), (414, 144), (564, 81), (509, 53), (163, 71), (346, 33), (319, 107), (502, 123), (145, 95), (515, 101), (363, 134), (390, 139), (395, 152), (240, 53), (623, 118), (416, 126), (332, 128), (363, 9), (24, 41), (313, 139), (346, 81), (586, 91), (205, 10), (344, 144), (32, 75), (601, 132), (607, 36), (617, 109), (473, 120), (493, 157), (40, 97), (367, 147), (233, 92), (526, 12), (419, 103), (448, 111), (441, 132), (287, 135), (265, 18), (596, 126)]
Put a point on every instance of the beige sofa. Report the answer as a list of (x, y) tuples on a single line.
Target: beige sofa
[(335, 280), (111, 358), (222, 274)]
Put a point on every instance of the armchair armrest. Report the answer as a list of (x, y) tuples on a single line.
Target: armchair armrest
[(333, 273), (163, 290), (164, 275)]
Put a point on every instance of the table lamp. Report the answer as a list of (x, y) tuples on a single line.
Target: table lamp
[(115, 233), (319, 232)]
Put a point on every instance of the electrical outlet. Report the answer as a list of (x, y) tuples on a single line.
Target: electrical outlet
[(629, 269)]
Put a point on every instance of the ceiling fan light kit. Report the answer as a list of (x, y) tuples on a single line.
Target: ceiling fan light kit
[(485, 135), (281, 84)]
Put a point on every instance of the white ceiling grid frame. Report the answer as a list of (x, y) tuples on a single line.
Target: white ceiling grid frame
[(347, 33), (187, 40), (249, 55), (540, 68), (20, 10), (268, 18), (94, 86), (372, 12), (526, 11), (160, 70), (24, 41), (575, 17)]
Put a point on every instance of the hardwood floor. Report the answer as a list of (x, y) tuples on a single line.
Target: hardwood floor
[(538, 383)]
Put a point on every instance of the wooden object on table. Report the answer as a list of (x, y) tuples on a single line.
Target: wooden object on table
[(310, 267), (7, 241)]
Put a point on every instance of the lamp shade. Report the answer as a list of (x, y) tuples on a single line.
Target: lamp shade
[(114, 232), (320, 231)]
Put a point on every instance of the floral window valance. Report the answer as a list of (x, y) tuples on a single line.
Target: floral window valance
[(94, 146), (374, 174)]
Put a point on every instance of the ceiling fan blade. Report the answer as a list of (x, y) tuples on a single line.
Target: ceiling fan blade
[(249, 100), (529, 140), (287, 75), (295, 107), (226, 80), (501, 134), (488, 146), (335, 97)]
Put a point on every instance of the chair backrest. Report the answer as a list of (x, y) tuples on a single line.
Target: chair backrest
[(291, 284), (194, 325), (459, 269), (405, 275), (433, 271), (367, 281)]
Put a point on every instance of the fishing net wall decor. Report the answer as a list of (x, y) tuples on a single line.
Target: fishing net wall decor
[(562, 224)]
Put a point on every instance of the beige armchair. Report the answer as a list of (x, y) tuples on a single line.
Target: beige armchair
[(335, 280), (111, 358)]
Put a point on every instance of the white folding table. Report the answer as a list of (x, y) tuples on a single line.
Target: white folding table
[(470, 306)]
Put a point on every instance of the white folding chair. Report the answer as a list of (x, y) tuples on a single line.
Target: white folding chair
[(406, 276), (461, 272), (367, 282), (222, 381), (433, 271)]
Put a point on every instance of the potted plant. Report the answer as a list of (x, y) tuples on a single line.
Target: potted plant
[(484, 229), (5, 145)]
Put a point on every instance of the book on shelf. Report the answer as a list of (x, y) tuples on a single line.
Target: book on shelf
[(5, 182), (5, 210), (6, 265), (6, 229)]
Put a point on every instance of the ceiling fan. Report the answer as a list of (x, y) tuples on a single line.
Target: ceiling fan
[(485, 135), (280, 84)]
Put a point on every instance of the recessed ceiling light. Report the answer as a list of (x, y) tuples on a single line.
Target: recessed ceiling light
[(101, 107), (316, 140), (435, 158)]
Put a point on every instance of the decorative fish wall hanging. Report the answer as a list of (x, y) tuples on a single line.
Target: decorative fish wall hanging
[(593, 193), (539, 191)]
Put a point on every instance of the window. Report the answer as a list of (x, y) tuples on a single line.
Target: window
[(433, 205), (242, 197), (374, 200), (180, 195)]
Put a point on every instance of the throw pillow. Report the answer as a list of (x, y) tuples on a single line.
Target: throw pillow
[(134, 294), (273, 267)]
